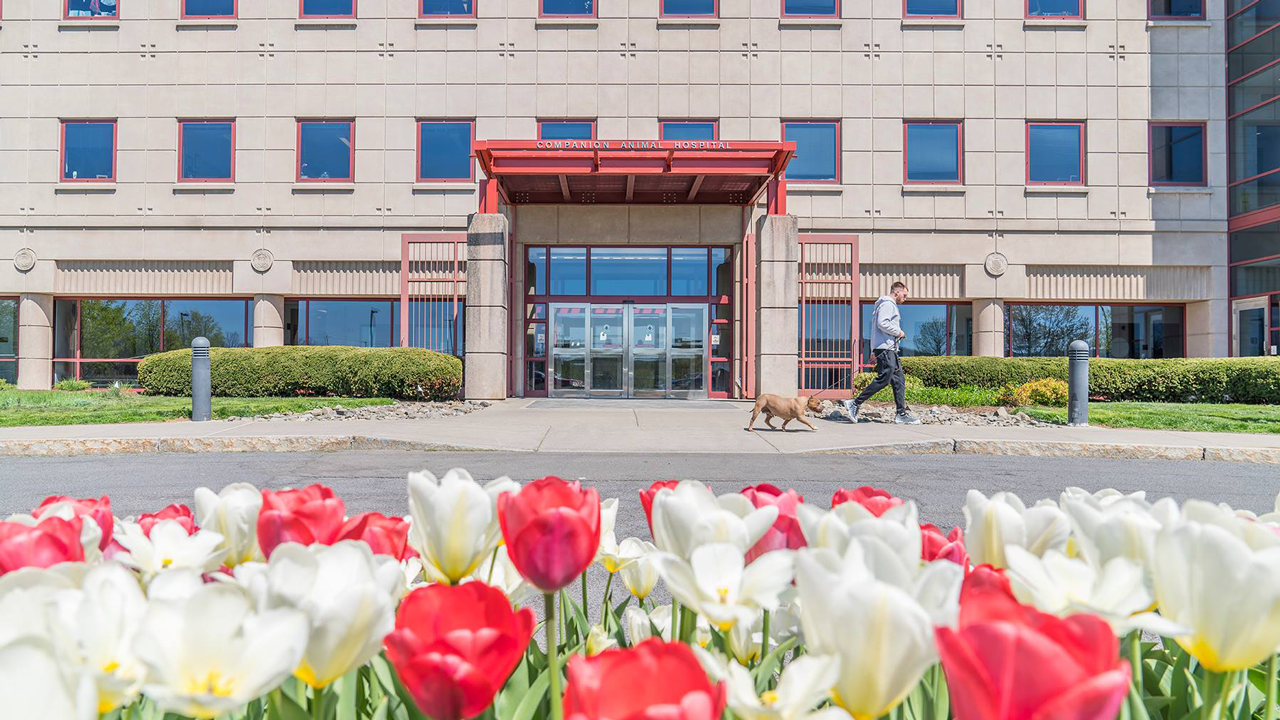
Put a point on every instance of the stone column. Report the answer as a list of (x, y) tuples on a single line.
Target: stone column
[(268, 320), (988, 327), (486, 319), (35, 342), (777, 304), (1208, 328)]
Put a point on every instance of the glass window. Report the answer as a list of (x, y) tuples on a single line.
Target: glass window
[(448, 7), (535, 340), (535, 272), (209, 8), (125, 329), (960, 335), (1139, 332), (1256, 19), (444, 151), (933, 152), (92, 8), (689, 271), (629, 271), (89, 150), (328, 8), (1256, 89), (1055, 153), (207, 150), (816, 151), (722, 271), (926, 329), (568, 7), (8, 338), (433, 324), (325, 150), (1047, 330), (1177, 8), (1255, 52), (811, 7), (1254, 243), (356, 323), (689, 7), (566, 130), (933, 8), (1256, 278), (1054, 8), (568, 271), (688, 130), (1177, 155), (222, 322), (1255, 156)]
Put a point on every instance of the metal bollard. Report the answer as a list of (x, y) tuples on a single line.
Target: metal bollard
[(201, 407), (1078, 383)]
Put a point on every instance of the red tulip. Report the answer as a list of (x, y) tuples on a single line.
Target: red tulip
[(1007, 661), (552, 530), (646, 499), (384, 535), (307, 516), (936, 546), (181, 513), (654, 680), (47, 543), (454, 646), (99, 510), (875, 500), (785, 533)]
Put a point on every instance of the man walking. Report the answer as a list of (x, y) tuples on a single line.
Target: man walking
[(886, 334)]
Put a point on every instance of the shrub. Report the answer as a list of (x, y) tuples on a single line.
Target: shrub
[(5, 385), (862, 380), (409, 373), (71, 385), (1049, 392)]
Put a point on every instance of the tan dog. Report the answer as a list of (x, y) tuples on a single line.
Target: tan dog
[(786, 408)]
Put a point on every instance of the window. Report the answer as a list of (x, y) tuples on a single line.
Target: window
[(447, 8), (326, 8), (811, 8), (681, 272), (566, 130), (568, 8), (690, 8), (444, 151), (688, 130), (206, 150), (1055, 8), (817, 151), (1177, 8), (326, 150), (1055, 153), (1254, 19), (195, 9), (1118, 331), (88, 150), (933, 152), (79, 9), (9, 340), (931, 329), (931, 8), (1254, 161), (1178, 154), (353, 323), (628, 272)]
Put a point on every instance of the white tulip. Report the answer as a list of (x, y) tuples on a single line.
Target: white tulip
[(179, 584), (498, 571), (804, 683), (991, 524), (718, 584), (609, 553), (349, 596), (690, 515), (455, 522), (168, 547), (1116, 525), (639, 573), (25, 597), (639, 625), (883, 637), (1254, 534), (233, 513), (34, 684), (898, 528), (598, 641), (211, 654)]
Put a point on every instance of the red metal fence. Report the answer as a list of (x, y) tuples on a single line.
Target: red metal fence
[(828, 358), (433, 291)]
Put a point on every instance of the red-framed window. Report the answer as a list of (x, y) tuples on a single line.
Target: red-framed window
[(933, 152), (817, 158), (101, 340), (688, 130), (1175, 9), (91, 9), (932, 328), (356, 322), (1178, 154), (566, 129), (9, 339), (1065, 9), (447, 8), (932, 8), (810, 8), (326, 151), (444, 151), (87, 151), (210, 9), (689, 8), (566, 8), (206, 151), (322, 9), (1055, 153), (1119, 330)]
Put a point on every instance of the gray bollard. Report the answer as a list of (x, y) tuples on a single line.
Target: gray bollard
[(1078, 383), (201, 405)]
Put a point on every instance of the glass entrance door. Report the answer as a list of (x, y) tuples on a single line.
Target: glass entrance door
[(1249, 320), (689, 325), (649, 370), (608, 351)]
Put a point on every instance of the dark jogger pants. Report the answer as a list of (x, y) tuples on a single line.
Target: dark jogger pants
[(888, 372)]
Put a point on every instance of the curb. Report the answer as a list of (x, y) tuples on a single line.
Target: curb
[(1066, 449), (267, 443)]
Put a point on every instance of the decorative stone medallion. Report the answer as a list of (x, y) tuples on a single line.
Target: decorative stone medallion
[(262, 260), (996, 264), (24, 259)]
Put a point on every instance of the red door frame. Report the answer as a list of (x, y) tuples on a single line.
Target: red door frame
[(454, 247), (853, 282)]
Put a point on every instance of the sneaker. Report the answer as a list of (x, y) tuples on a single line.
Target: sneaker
[(851, 409), (906, 419)]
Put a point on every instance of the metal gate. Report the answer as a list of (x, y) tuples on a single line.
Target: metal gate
[(829, 338), (433, 291)]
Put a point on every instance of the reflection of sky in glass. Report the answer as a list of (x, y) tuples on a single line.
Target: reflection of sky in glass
[(89, 151), (1054, 153), (932, 7), (629, 271), (809, 7), (1053, 8), (352, 322), (568, 271), (91, 8), (209, 8), (689, 271), (328, 7), (688, 131), (932, 153), (222, 322), (445, 150), (206, 151), (325, 150), (815, 151), (689, 7), (448, 7), (568, 7), (565, 131)]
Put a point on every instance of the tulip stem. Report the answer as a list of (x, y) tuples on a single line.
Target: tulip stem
[(317, 703), (585, 611), (675, 618), (1135, 659), (1270, 712), (764, 639), (608, 600), (493, 563), (1220, 696), (553, 659)]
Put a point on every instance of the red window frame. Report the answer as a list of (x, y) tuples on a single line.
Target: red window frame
[(782, 11), (1151, 15), (298, 151), (839, 149), (1084, 177), (203, 121), (348, 16), (1097, 316), (568, 121), (17, 333), (422, 14), (62, 151), (715, 126), (959, 13), (66, 13), (906, 148), (662, 11), (182, 12), (417, 154), (1026, 10), (304, 333), (1204, 153), (595, 12)]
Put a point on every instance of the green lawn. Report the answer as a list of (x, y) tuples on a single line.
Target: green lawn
[(1174, 416), (54, 407)]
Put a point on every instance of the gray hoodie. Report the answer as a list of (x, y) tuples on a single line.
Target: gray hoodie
[(884, 324)]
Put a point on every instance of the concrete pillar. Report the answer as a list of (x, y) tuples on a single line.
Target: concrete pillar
[(777, 304), (268, 320), (1208, 328), (485, 363), (988, 327), (35, 342)]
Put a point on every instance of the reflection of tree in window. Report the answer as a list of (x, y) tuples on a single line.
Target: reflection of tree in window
[(189, 325), (1047, 330), (8, 328), (119, 328), (931, 338)]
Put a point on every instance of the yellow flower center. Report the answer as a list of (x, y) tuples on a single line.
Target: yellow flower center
[(770, 697), (166, 562), (111, 667), (724, 594), (213, 683)]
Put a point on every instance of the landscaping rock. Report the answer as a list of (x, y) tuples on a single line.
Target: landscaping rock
[(936, 415), (404, 410)]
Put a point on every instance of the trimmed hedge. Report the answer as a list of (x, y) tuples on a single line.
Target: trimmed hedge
[(408, 373), (1239, 380)]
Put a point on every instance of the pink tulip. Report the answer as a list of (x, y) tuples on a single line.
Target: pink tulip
[(936, 546), (384, 535), (47, 543), (785, 533), (552, 530), (99, 510), (180, 513), (307, 516)]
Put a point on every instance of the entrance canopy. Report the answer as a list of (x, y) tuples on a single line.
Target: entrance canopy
[(659, 172)]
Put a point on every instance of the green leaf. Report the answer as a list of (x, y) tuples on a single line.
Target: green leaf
[(345, 695), (513, 692), (622, 606), (533, 698), (763, 674), (283, 707), (383, 707), (579, 618)]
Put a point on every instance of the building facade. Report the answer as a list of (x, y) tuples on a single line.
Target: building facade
[(694, 198)]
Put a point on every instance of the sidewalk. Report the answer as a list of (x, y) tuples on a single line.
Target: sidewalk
[(631, 426)]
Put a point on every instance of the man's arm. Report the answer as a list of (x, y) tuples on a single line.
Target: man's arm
[(887, 324)]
